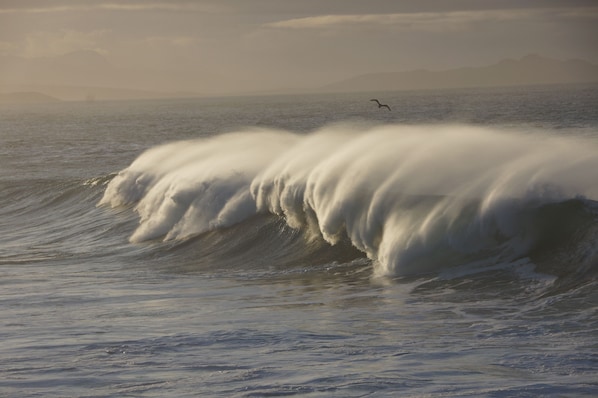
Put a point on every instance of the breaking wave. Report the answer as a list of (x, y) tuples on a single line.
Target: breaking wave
[(414, 199)]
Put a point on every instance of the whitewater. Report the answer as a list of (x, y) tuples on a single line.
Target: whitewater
[(302, 246), (407, 196)]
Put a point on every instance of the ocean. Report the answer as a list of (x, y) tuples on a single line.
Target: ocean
[(307, 245)]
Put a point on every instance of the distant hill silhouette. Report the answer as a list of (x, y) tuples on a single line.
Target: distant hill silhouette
[(25, 98), (80, 74), (85, 75), (93, 93), (529, 70)]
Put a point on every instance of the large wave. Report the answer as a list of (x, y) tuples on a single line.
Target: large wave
[(412, 198)]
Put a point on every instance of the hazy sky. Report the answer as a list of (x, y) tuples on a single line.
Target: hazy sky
[(267, 44)]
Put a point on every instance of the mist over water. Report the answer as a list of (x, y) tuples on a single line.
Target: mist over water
[(402, 194)]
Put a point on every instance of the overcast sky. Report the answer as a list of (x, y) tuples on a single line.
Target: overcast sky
[(268, 44)]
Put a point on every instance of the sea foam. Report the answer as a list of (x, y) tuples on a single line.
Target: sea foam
[(410, 197)]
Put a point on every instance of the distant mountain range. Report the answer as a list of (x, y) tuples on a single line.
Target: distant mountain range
[(25, 98), (81, 75), (20, 93), (87, 75), (529, 70)]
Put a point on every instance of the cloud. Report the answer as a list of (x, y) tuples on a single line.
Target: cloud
[(8, 48), (430, 21), (69, 6), (148, 6), (169, 41), (47, 44)]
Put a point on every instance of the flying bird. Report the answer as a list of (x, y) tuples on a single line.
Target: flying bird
[(381, 105)]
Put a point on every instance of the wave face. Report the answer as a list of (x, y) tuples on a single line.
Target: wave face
[(414, 199)]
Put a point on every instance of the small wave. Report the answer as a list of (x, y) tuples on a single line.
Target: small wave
[(56, 220), (414, 199)]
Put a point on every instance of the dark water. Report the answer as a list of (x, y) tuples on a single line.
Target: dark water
[(302, 245)]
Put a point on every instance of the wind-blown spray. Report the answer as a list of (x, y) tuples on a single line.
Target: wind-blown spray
[(411, 197)]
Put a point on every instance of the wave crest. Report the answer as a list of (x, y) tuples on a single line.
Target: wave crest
[(412, 198)]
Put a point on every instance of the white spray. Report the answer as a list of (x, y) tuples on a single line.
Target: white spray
[(395, 191)]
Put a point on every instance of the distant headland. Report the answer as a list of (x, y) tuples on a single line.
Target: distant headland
[(529, 70), (26, 98)]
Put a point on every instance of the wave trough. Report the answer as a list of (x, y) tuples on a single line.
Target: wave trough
[(413, 198)]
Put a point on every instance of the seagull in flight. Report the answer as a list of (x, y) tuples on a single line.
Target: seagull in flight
[(381, 105)]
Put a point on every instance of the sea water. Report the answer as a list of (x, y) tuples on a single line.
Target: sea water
[(309, 245)]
